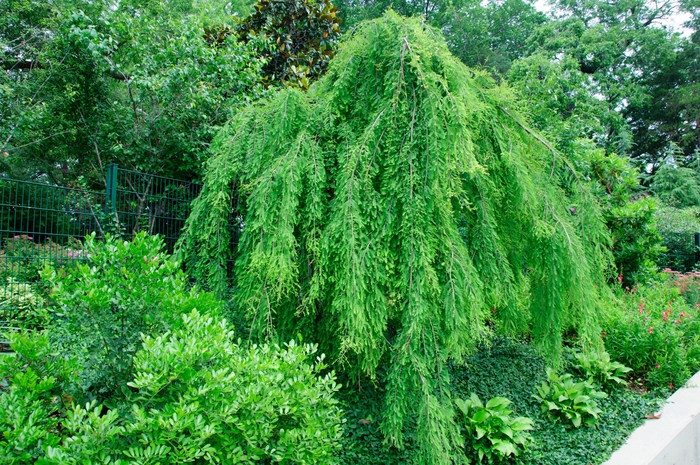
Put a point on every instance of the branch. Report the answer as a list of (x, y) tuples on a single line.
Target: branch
[(30, 64), (26, 64)]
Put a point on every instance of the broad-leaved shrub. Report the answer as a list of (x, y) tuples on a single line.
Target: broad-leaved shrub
[(124, 289), (201, 398), (35, 386)]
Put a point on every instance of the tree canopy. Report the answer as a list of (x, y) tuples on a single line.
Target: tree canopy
[(397, 213)]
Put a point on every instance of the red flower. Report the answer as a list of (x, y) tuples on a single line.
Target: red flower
[(651, 331)]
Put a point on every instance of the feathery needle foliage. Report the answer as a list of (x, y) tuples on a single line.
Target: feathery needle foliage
[(392, 214)]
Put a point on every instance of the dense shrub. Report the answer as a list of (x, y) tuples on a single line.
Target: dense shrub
[(39, 383), (103, 305), (677, 228), (655, 333), (195, 396), (628, 212)]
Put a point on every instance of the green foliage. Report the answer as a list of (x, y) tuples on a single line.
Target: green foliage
[(654, 332), (677, 228), (599, 369), (520, 368), (628, 213), (677, 186), (30, 405), (86, 83), (301, 34), (197, 396), (389, 228), (491, 431), (564, 399), (103, 306), (21, 307)]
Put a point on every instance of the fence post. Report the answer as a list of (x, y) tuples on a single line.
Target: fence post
[(697, 247), (111, 189)]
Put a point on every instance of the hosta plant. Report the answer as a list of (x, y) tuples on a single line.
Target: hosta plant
[(493, 433), (598, 368), (564, 399)]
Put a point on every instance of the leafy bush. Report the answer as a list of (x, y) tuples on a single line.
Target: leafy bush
[(30, 405), (564, 399), (677, 228), (492, 431), (23, 259), (599, 369), (125, 289), (200, 397), (21, 307), (628, 213), (654, 332)]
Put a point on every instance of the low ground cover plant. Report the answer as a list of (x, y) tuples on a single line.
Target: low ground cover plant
[(492, 432), (520, 367)]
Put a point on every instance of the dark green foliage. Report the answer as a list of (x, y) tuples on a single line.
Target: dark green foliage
[(301, 34), (654, 332), (511, 369), (491, 430), (394, 211), (677, 228), (105, 305)]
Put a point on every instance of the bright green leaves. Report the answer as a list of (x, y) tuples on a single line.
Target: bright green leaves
[(196, 396), (492, 432), (104, 305), (600, 369), (571, 402), (389, 213)]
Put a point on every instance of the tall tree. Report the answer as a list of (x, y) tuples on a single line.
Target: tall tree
[(399, 206), (133, 82)]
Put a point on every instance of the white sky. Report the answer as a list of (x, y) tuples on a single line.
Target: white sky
[(675, 22)]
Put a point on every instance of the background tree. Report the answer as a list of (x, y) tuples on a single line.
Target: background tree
[(134, 83), (301, 36)]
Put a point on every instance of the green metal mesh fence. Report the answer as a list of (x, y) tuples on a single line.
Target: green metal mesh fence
[(45, 224)]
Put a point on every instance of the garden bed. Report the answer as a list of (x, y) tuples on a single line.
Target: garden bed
[(510, 369)]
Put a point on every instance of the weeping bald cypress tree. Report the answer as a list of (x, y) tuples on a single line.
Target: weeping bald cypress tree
[(397, 213)]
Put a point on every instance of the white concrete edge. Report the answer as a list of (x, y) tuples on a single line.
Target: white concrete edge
[(673, 438)]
